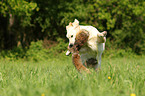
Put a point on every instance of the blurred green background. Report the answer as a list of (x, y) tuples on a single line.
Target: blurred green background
[(28, 27)]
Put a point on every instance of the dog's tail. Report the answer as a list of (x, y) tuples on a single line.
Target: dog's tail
[(78, 63)]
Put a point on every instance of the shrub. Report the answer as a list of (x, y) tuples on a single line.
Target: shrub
[(16, 53), (37, 52)]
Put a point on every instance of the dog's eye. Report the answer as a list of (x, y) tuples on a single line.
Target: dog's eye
[(71, 36)]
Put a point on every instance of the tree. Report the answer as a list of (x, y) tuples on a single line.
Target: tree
[(24, 21)]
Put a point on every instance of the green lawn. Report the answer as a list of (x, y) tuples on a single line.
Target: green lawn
[(58, 77)]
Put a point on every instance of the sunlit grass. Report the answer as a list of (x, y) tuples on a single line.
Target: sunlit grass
[(58, 77)]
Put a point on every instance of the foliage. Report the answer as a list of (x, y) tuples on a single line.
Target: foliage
[(124, 21), (36, 52), (21, 8), (34, 20), (16, 53)]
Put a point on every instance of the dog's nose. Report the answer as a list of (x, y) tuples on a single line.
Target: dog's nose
[(70, 45)]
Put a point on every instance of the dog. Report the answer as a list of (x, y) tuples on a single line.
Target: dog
[(86, 43)]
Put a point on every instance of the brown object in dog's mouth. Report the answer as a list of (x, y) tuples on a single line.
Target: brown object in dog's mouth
[(78, 63), (80, 40)]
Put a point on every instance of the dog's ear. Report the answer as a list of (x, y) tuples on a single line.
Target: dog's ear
[(75, 23), (70, 25)]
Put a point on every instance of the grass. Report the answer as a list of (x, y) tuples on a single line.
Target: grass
[(58, 77)]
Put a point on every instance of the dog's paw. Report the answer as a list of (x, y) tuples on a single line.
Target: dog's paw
[(67, 53), (104, 33)]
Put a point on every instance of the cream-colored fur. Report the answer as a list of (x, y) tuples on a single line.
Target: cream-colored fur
[(95, 43)]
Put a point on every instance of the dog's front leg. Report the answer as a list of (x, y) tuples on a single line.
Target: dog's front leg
[(98, 66), (103, 34), (99, 54)]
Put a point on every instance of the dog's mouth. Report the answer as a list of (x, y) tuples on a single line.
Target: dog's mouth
[(70, 45)]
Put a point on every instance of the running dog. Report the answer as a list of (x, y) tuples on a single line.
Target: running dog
[(86, 44)]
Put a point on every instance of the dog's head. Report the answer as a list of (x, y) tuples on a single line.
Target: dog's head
[(72, 30)]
